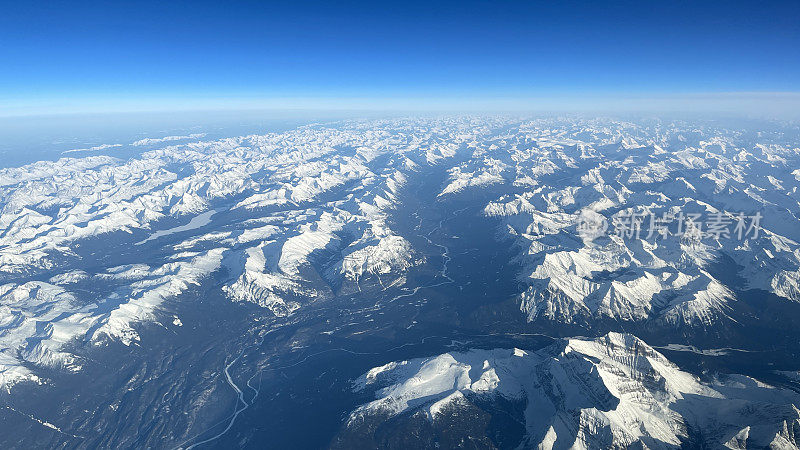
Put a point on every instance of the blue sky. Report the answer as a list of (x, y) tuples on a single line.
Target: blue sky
[(61, 56)]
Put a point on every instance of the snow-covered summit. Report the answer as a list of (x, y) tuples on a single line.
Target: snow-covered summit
[(611, 392)]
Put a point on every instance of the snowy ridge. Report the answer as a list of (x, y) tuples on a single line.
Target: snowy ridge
[(148, 288), (568, 171), (306, 215), (611, 392), (40, 320), (318, 210)]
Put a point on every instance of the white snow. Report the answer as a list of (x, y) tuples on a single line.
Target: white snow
[(614, 391)]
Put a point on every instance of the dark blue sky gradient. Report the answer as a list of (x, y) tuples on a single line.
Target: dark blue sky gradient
[(199, 49)]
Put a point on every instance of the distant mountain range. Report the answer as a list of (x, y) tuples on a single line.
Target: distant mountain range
[(683, 232)]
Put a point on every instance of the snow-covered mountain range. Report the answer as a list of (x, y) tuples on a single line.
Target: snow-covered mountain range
[(610, 392), (671, 225), (560, 174)]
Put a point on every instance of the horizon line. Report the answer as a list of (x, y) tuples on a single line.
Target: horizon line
[(770, 103)]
